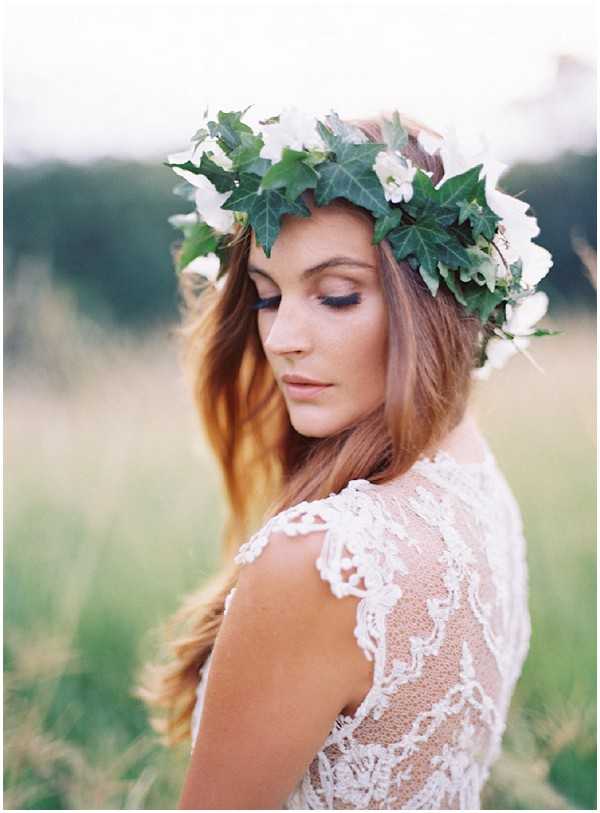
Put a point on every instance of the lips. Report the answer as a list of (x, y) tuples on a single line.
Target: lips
[(299, 389), (302, 380)]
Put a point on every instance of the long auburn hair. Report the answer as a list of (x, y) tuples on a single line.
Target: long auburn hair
[(266, 465)]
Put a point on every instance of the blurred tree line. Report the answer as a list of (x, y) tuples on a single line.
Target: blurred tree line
[(102, 228)]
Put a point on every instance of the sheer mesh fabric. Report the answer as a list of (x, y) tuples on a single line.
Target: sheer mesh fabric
[(438, 561)]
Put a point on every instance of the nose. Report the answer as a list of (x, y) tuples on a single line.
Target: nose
[(288, 332)]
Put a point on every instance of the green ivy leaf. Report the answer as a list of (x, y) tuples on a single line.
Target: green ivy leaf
[(483, 269), (516, 269), (259, 166), (188, 165), (454, 255), (459, 187), (423, 239), (482, 219), (200, 135), (351, 176), (228, 129), (428, 208), (331, 140), (486, 271), (242, 197), (430, 278), (394, 134), (425, 202), (264, 207), (247, 151), (466, 209), (423, 189), (452, 283), (265, 216), (316, 157), (483, 301), (345, 132), (479, 194), (271, 120), (385, 224), (200, 240), (542, 332), (223, 180), (291, 173)]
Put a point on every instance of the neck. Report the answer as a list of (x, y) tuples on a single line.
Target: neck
[(463, 442)]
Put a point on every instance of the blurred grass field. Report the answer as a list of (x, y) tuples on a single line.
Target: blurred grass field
[(112, 512)]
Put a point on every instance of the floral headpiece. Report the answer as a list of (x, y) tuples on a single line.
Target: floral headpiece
[(462, 232)]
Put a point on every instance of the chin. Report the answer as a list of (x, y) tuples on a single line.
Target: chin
[(309, 430), (316, 426)]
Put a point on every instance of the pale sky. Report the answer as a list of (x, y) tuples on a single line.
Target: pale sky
[(132, 80)]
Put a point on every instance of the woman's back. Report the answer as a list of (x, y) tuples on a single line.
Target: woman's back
[(438, 560)]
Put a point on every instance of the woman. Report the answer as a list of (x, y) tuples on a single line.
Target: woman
[(360, 649)]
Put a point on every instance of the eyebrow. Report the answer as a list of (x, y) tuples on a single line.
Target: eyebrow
[(315, 269)]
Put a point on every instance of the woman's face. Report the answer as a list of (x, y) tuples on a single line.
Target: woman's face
[(328, 324)]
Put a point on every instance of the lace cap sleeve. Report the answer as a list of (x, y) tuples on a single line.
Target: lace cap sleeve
[(355, 559)]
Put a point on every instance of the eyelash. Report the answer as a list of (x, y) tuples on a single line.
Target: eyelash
[(330, 301)]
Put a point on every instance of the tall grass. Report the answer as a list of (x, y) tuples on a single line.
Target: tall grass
[(112, 512)]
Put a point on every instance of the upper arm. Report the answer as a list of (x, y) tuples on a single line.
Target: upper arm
[(284, 664)]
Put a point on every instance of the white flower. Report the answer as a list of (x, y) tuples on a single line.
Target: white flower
[(395, 177), (194, 155), (521, 317), (537, 261), (208, 266), (295, 129), (498, 351), (429, 142), (218, 156), (182, 158), (517, 229), (181, 220), (520, 227), (481, 373), (209, 202), (514, 240), (457, 157), (348, 133), (520, 320)]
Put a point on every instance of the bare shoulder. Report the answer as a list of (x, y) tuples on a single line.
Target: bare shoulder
[(283, 588), (285, 664)]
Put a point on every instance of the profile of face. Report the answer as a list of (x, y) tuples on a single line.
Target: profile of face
[(322, 316)]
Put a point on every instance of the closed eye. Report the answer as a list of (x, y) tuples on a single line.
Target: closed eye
[(330, 301)]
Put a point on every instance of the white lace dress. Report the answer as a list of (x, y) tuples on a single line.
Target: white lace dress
[(438, 560)]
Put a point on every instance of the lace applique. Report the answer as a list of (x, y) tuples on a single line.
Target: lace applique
[(355, 527), (440, 572)]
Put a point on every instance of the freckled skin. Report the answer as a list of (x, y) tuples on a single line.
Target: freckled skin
[(301, 335)]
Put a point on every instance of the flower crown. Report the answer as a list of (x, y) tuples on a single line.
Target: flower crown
[(462, 233)]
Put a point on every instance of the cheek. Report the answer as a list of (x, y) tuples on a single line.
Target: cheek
[(263, 323), (351, 347), (260, 326), (365, 345)]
